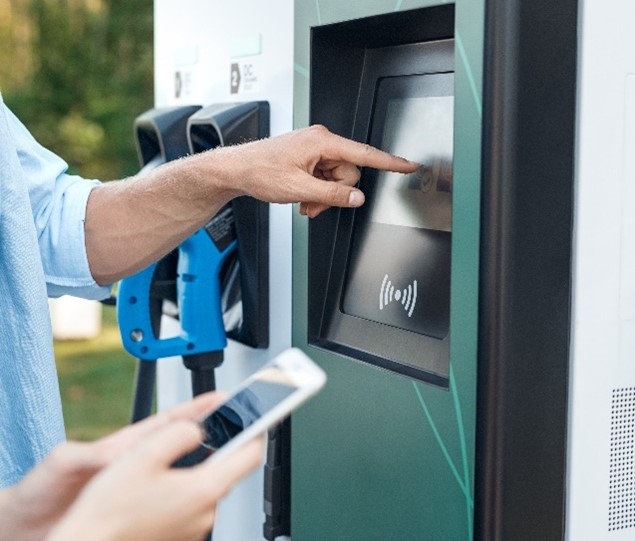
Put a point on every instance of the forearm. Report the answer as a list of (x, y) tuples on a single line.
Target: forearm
[(132, 223), (6, 518), (129, 224)]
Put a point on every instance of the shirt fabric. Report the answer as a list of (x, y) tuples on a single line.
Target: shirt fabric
[(42, 251)]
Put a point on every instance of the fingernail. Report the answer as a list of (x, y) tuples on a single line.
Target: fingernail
[(356, 199)]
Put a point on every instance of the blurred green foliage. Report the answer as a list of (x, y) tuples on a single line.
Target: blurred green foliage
[(96, 382), (77, 73)]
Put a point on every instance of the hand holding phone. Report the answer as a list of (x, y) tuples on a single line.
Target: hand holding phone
[(261, 401)]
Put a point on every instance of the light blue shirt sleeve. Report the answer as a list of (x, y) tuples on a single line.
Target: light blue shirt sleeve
[(58, 202)]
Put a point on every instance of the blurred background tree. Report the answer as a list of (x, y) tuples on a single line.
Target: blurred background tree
[(77, 73)]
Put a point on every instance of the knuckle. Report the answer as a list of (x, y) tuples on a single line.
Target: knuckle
[(62, 458), (188, 429), (58, 455), (368, 149), (334, 193), (318, 131), (347, 173)]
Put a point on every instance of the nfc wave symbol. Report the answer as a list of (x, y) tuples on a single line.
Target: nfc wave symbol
[(407, 296)]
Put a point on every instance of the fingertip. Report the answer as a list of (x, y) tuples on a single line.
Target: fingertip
[(403, 165), (413, 166), (252, 453), (259, 446), (356, 198)]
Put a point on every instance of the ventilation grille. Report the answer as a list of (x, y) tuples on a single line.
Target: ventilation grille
[(622, 465)]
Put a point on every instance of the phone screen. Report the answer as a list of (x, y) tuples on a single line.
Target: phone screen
[(263, 391)]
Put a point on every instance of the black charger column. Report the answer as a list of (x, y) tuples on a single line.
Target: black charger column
[(160, 136)]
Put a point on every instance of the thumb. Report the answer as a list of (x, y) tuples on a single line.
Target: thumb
[(330, 193)]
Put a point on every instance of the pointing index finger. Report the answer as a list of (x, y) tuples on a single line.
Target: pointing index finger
[(365, 155)]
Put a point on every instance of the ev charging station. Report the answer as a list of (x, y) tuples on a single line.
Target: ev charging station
[(476, 319), (200, 60)]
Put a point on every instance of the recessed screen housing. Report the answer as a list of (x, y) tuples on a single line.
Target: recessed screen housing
[(388, 296)]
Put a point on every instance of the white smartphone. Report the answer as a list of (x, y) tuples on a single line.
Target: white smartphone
[(261, 401)]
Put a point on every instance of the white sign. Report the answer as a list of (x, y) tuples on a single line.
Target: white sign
[(244, 77)]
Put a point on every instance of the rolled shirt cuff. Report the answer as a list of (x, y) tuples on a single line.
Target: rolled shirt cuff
[(63, 243)]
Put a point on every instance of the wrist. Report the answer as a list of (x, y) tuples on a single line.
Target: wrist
[(219, 172)]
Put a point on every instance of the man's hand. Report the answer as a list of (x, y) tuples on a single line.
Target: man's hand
[(31, 508), (313, 167), (132, 223)]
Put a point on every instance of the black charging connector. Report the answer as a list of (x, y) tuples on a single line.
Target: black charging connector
[(277, 483)]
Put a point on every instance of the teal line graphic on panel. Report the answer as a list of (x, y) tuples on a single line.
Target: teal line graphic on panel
[(301, 70), (442, 445), (470, 74), (421, 470), (466, 469)]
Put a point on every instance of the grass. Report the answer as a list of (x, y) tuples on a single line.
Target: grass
[(96, 382)]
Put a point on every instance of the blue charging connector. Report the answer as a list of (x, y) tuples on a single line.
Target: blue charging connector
[(198, 297)]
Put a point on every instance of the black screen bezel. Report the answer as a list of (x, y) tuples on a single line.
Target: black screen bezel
[(436, 242), (392, 348)]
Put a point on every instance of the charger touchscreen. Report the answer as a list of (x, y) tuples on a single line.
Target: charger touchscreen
[(398, 269), (265, 390)]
